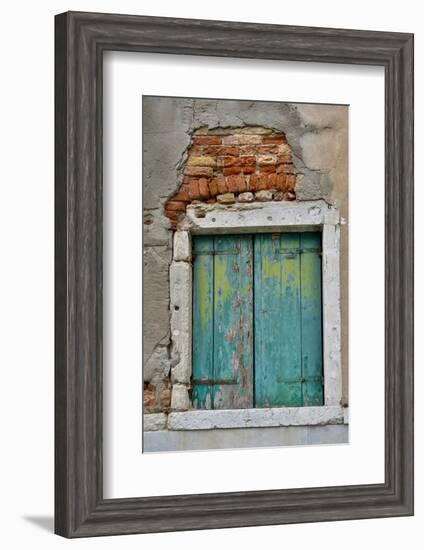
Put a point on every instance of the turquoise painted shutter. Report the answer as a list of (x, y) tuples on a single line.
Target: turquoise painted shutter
[(288, 332), (222, 322), (278, 278)]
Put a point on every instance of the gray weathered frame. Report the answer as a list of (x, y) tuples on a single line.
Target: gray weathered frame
[(81, 39)]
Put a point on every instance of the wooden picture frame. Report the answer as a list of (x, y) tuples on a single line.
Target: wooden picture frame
[(81, 39)]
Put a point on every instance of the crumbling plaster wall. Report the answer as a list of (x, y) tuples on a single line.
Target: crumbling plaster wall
[(318, 137)]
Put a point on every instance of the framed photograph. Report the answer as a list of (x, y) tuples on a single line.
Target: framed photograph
[(234, 274)]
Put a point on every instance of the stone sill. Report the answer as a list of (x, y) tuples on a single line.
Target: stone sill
[(247, 418)]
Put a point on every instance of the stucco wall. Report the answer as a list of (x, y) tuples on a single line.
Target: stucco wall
[(318, 137)]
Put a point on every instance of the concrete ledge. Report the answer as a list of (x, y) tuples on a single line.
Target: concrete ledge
[(154, 421), (255, 418), (262, 216), (236, 438)]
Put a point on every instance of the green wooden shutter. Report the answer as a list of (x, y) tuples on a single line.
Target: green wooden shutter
[(276, 277), (222, 322), (288, 331)]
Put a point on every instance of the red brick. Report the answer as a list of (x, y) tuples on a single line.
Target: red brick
[(207, 140), (258, 182), (236, 184), (229, 161), (230, 151), (291, 182), (286, 169), (262, 182), (205, 171), (182, 194), (267, 149), (213, 188), (203, 188), (193, 190), (274, 140), (177, 206), (281, 182), (231, 170), (248, 161), (272, 181), (210, 150), (249, 169), (149, 397), (173, 216), (222, 184), (283, 159), (253, 181), (196, 150), (267, 169), (249, 149)]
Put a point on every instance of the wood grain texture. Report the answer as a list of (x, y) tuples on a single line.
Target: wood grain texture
[(80, 509)]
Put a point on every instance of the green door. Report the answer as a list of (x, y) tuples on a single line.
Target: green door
[(222, 322), (257, 334)]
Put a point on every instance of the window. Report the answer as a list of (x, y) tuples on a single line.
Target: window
[(257, 321)]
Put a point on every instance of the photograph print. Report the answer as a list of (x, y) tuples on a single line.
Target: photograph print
[(245, 274)]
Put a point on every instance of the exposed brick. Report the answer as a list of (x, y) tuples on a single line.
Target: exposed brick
[(275, 140), (279, 196), (205, 171), (249, 169), (283, 159), (248, 149), (240, 139), (261, 182), (253, 181), (208, 150), (201, 161), (272, 181), (230, 151), (268, 149), (257, 130), (172, 215), (213, 188), (165, 398), (177, 206), (149, 397), (222, 184), (248, 160), (284, 149), (229, 161), (267, 169), (291, 182), (193, 190), (207, 140), (231, 170), (236, 184), (197, 151), (266, 160), (182, 194), (286, 169), (224, 161), (203, 188), (281, 182)]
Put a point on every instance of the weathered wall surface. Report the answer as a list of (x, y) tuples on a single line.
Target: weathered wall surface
[(317, 137)]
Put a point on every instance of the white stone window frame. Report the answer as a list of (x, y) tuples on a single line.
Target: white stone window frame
[(257, 217)]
